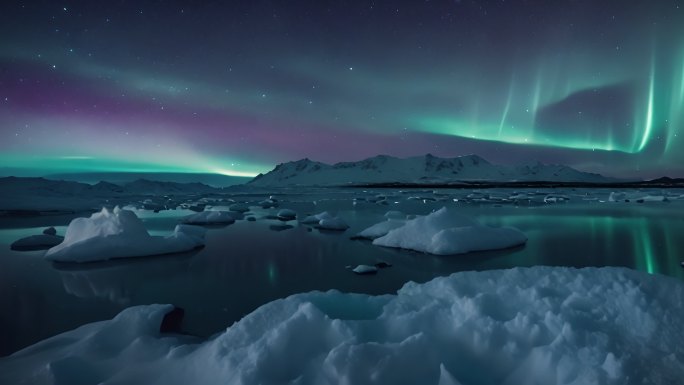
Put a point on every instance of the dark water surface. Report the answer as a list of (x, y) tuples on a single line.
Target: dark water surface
[(247, 264)]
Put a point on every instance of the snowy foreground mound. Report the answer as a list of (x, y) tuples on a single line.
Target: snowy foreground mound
[(540, 325), (119, 234), (443, 232)]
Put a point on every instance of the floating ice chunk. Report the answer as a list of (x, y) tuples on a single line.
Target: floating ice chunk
[(654, 198), (239, 207), (380, 229), (335, 223), (314, 219), (326, 221), (444, 232), (286, 215), (211, 217), (268, 203), (36, 242), (119, 234), (459, 240), (545, 325), (365, 269), (556, 198), (617, 196)]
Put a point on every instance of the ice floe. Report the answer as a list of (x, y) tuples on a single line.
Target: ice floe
[(119, 233), (212, 217), (445, 232), (365, 269)]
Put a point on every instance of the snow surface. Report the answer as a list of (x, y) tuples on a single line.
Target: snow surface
[(445, 232), (119, 234), (381, 229), (539, 325), (211, 217)]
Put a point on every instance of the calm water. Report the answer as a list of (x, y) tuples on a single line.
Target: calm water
[(247, 264)]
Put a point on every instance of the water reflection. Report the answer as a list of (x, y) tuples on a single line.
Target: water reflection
[(586, 239), (119, 280)]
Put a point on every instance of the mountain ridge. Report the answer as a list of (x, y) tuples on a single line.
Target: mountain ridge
[(429, 169)]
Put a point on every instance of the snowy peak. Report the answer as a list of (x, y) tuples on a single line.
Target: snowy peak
[(420, 169)]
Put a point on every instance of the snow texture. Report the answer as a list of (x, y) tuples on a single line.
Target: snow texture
[(445, 232), (381, 229), (119, 234), (540, 325)]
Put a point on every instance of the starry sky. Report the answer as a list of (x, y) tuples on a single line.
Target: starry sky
[(234, 87)]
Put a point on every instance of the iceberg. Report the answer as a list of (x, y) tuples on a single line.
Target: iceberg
[(445, 232), (539, 325), (119, 233)]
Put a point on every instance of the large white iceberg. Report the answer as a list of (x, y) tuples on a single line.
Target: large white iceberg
[(540, 325), (445, 232), (119, 234)]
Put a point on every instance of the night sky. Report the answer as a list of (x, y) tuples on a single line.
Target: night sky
[(234, 87)]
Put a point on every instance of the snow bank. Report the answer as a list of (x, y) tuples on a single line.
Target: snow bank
[(211, 217), (540, 325), (444, 232), (119, 234)]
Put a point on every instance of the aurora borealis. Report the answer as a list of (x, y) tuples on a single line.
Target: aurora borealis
[(235, 87)]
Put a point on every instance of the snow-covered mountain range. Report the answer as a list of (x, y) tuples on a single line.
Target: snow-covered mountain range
[(427, 169), (40, 194)]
